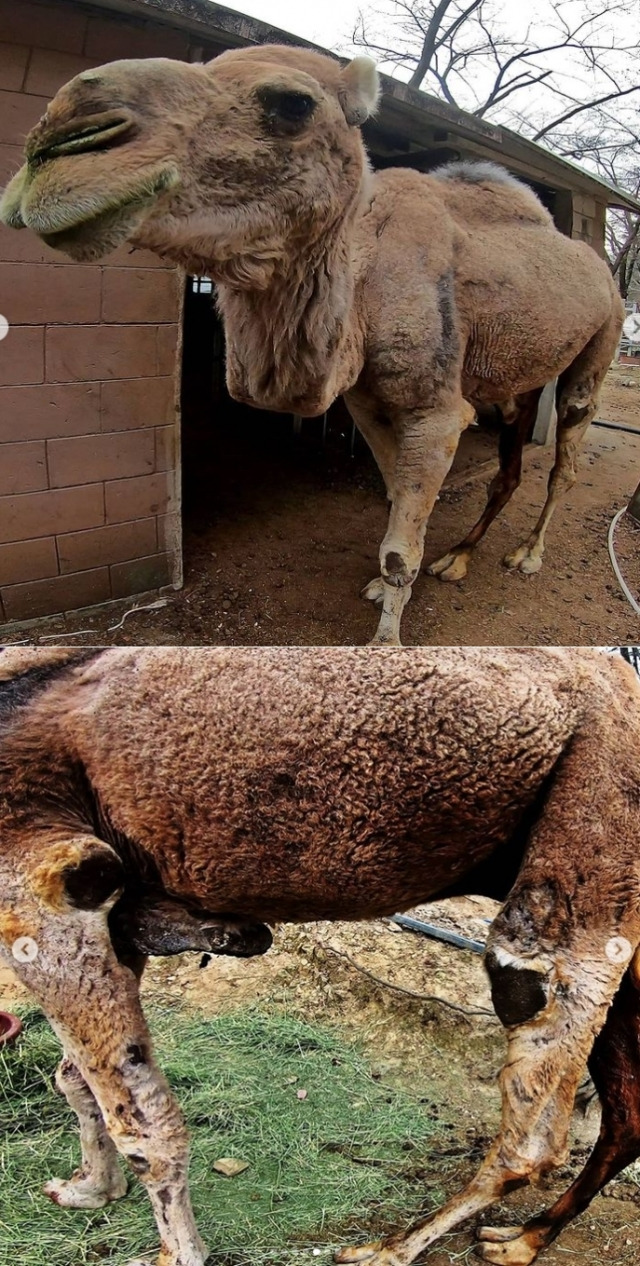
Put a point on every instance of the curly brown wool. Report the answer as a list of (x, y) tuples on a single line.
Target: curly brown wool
[(204, 793)]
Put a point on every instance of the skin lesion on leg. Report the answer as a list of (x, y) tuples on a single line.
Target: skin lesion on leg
[(393, 600), (77, 873), (110, 1077), (613, 1064), (552, 1019), (99, 1180)]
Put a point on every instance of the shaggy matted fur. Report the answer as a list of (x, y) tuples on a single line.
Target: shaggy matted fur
[(284, 784), (410, 294)]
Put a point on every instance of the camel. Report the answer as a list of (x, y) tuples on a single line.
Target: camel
[(158, 799), (419, 298)]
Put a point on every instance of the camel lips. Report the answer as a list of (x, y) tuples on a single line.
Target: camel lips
[(81, 141)]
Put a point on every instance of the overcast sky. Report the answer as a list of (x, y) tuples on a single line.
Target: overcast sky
[(330, 23), (325, 22)]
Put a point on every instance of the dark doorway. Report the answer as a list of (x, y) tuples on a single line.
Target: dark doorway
[(239, 462)]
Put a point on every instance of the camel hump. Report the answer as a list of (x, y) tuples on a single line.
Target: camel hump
[(470, 183), (477, 174)]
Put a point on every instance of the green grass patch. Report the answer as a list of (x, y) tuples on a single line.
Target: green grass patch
[(335, 1165)]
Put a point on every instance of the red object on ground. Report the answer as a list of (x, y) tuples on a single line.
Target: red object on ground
[(10, 1027)]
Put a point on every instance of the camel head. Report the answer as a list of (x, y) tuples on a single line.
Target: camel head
[(230, 166)]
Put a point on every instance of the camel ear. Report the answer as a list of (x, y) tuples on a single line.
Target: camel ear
[(359, 90)]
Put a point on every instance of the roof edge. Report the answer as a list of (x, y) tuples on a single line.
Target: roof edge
[(203, 18)]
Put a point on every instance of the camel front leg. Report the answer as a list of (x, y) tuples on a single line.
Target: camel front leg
[(614, 1066), (427, 442), (377, 430), (58, 907)]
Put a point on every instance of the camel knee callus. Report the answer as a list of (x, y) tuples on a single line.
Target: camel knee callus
[(518, 993), (400, 290), (93, 880)]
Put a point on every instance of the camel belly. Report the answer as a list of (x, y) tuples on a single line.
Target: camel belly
[(317, 784), (528, 306)]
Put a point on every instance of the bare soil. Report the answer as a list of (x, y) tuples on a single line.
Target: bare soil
[(364, 978), (282, 533)]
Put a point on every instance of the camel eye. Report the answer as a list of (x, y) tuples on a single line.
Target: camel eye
[(286, 112)]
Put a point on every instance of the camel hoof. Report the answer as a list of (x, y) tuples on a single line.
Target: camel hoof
[(499, 1234), (375, 1254), (450, 568), (529, 566), (374, 591), (506, 1246), (79, 1193), (522, 560)]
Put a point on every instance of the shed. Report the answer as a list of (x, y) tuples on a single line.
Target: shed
[(99, 358)]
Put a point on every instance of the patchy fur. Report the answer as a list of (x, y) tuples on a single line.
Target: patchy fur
[(47, 881), (478, 174), (244, 786)]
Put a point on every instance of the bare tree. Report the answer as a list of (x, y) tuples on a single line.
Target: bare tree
[(568, 78), (575, 55)]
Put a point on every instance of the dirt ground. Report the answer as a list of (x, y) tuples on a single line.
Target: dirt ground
[(277, 550), (334, 971)]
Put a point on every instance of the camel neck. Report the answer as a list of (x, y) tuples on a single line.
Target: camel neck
[(296, 345)]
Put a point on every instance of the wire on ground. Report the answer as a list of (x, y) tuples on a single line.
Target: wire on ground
[(614, 561)]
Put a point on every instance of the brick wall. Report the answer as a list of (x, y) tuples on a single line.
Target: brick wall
[(88, 424)]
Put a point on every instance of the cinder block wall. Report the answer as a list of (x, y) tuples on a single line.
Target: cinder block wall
[(88, 421)]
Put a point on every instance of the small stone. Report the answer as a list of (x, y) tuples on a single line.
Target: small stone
[(230, 1167), (301, 1094)]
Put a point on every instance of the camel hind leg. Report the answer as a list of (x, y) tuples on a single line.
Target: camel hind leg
[(614, 1065), (577, 399), (454, 564), (551, 1003)]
